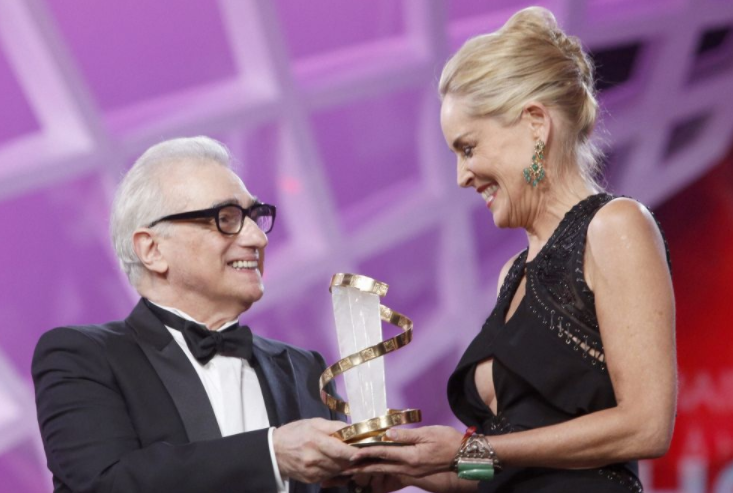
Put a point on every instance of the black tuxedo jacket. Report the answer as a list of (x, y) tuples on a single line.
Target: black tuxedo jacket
[(121, 409)]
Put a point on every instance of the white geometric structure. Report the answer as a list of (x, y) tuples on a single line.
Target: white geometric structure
[(664, 126)]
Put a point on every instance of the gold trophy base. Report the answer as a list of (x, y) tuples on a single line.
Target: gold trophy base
[(379, 439), (374, 431)]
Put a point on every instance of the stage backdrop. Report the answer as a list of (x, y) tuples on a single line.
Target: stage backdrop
[(331, 110)]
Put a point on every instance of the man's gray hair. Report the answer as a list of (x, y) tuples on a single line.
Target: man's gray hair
[(141, 199)]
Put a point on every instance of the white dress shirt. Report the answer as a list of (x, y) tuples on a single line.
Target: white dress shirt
[(234, 392)]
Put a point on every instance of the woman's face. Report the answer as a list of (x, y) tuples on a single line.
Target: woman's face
[(490, 158)]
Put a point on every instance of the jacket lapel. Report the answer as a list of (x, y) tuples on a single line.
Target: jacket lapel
[(178, 376), (279, 378)]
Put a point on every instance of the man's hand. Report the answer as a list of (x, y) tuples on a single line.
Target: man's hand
[(305, 451)]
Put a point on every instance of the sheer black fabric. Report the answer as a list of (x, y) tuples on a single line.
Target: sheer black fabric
[(549, 366)]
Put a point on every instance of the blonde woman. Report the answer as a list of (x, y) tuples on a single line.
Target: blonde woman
[(572, 378)]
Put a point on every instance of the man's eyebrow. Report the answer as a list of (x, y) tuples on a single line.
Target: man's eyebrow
[(234, 202), (226, 202)]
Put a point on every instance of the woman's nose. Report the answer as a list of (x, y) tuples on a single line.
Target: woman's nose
[(464, 175)]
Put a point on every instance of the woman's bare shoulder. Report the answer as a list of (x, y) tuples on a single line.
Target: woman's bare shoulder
[(623, 235), (622, 218)]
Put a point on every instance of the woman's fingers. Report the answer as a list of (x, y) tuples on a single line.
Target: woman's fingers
[(384, 453), (379, 468), (408, 436)]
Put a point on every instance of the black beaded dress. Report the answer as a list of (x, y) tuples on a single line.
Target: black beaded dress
[(549, 364)]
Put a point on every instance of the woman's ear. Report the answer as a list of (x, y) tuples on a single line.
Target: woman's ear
[(147, 249), (539, 119)]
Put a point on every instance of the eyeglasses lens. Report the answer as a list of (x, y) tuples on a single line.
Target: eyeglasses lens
[(262, 215), (231, 220)]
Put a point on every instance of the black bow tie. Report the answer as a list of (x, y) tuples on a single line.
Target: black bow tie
[(204, 344)]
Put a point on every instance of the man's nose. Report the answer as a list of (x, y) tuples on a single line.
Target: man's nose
[(251, 235)]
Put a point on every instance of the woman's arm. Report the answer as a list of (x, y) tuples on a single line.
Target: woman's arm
[(442, 482), (626, 268)]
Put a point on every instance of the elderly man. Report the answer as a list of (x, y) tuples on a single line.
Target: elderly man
[(178, 397)]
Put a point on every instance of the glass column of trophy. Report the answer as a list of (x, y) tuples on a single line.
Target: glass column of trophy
[(359, 315)]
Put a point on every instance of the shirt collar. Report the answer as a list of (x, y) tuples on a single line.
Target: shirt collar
[(185, 315)]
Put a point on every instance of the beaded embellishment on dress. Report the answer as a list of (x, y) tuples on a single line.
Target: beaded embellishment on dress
[(556, 289), (498, 424), (621, 476)]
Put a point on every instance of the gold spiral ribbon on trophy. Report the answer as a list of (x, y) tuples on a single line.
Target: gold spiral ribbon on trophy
[(371, 430)]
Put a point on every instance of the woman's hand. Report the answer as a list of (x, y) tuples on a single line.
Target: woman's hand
[(428, 450)]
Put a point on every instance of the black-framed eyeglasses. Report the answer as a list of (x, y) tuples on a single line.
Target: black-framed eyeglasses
[(230, 217)]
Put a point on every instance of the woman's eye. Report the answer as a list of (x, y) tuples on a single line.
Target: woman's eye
[(467, 151)]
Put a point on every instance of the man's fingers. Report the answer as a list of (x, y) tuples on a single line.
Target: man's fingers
[(327, 426), (306, 451), (337, 450)]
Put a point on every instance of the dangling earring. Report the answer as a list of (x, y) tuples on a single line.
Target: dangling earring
[(536, 173)]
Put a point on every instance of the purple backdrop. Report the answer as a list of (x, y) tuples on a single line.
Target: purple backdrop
[(331, 110)]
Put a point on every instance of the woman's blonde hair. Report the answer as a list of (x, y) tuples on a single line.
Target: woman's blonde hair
[(531, 58)]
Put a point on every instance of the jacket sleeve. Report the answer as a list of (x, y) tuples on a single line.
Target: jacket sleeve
[(91, 443)]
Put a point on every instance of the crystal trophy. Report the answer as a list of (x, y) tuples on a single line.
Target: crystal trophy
[(358, 315)]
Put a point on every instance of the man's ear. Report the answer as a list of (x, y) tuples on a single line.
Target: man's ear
[(146, 246), (539, 119)]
